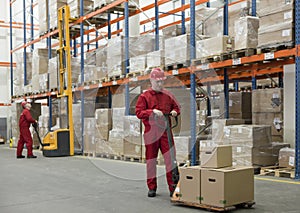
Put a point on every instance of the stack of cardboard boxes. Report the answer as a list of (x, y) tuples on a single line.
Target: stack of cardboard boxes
[(216, 182), (267, 108)]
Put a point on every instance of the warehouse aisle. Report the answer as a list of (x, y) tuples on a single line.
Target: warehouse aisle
[(80, 184)]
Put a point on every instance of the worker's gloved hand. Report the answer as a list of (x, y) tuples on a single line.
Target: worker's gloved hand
[(35, 125), (173, 113), (157, 113)]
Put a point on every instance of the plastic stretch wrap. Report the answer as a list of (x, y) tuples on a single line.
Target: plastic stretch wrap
[(287, 157), (246, 32), (214, 46), (177, 49), (276, 22), (43, 16), (88, 6), (156, 59), (137, 63), (54, 5), (267, 100), (52, 70)]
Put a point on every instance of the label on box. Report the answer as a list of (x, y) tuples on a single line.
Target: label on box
[(286, 33), (238, 149), (291, 161), (275, 95), (240, 130), (230, 103), (288, 15), (226, 131)]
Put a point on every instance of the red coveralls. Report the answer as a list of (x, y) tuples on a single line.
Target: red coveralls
[(25, 135), (155, 136)]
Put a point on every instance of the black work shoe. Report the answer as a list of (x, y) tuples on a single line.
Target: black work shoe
[(21, 156), (151, 193), (171, 193), (31, 156)]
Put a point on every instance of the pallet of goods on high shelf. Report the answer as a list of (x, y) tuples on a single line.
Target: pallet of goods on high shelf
[(245, 36), (138, 45), (177, 52), (102, 3), (214, 49), (276, 25)]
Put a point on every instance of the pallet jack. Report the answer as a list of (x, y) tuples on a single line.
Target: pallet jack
[(60, 142)]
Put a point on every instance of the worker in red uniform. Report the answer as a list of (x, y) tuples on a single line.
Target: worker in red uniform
[(25, 135), (151, 107)]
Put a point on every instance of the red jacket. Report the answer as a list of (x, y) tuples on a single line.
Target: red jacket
[(26, 119), (149, 100)]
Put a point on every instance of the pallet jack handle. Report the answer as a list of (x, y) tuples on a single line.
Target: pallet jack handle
[(175, 171), (35, 126)]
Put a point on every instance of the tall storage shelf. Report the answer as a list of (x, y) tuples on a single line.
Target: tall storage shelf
[(239, 68)]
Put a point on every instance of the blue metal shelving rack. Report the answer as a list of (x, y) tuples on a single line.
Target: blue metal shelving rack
[(193, 83), (297, 92)]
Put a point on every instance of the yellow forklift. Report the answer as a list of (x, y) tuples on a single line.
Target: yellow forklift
[(60, 142)]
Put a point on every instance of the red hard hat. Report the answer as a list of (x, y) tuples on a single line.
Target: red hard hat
[(157, 74), (23, 104)]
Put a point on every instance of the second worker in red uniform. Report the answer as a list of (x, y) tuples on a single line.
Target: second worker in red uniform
[(151, 107)]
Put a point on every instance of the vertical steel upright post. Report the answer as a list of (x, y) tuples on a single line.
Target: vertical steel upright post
[(183, 18), (118, 25), (208, 99), (75, 47), (11, 54), (88, 39), (193, 83), (297, 92), (97, 43), (31, 26), (236, 86), (156, 26), (226, 80), (49, 56), (280, 80), (82, 75), (108, 26), (24, 41), (253, 8), (254, 82), (126, 28)]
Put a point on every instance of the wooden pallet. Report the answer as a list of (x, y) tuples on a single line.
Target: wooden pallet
[(134, 74), (89, 154), (132, 158), (177, 66), (275, 47), (109, 156), (277, 171), (212, 58), (213, 208), (243, 52)]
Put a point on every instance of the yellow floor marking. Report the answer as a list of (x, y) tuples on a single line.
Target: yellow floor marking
[(277, 180)]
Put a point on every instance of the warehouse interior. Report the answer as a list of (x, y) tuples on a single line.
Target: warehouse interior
[(233, 66)]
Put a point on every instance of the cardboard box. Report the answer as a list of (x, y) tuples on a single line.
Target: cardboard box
[(214, 46), (218, 127), (267, 100), (287, 157), (132, 146), (217, 157), (190, 184), (227, 186), (246, 32)]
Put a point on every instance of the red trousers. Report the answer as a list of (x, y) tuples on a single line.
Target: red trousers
[(152, 149), (25, 137)]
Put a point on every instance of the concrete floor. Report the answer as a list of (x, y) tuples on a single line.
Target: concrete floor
[(81, 184)]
